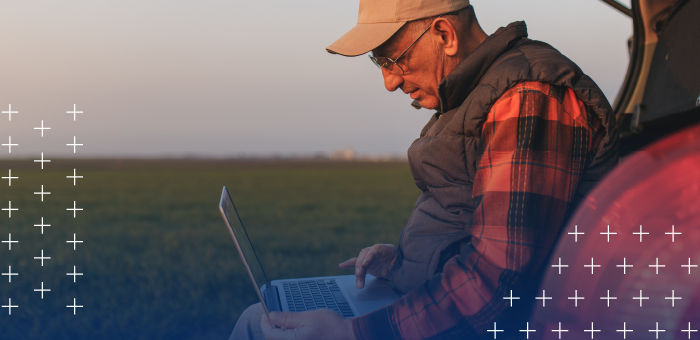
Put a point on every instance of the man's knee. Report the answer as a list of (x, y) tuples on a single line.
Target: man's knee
[(248, 324)]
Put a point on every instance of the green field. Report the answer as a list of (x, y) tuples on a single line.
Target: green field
[(157, 259)]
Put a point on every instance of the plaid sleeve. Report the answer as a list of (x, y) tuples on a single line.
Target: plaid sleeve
[(536, 141)]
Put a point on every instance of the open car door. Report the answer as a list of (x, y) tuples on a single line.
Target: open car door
[(661, 90)]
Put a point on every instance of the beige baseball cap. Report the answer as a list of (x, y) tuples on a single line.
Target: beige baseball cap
[(378, 20)]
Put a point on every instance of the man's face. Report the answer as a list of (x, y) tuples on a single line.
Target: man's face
[(421, 64)]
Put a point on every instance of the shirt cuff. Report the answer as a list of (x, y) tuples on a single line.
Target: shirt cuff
[(375, 325)]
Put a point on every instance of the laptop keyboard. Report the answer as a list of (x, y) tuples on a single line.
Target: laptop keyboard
[(306, 295)]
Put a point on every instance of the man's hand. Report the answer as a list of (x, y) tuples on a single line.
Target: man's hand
[(317, 324), (376, 260)]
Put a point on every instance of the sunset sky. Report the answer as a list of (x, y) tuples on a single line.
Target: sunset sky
[(228, 78)]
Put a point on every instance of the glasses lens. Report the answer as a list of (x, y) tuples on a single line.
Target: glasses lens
[(387, 63), (374, 60)]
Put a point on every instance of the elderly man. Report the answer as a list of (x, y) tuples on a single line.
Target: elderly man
[(519, 135)]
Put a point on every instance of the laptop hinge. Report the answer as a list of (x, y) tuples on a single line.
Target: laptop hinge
[(272, 298)]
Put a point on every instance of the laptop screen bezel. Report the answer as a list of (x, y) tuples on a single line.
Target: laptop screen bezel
[(226, 197)]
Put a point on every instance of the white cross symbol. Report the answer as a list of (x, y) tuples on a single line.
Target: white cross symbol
[(74, 241), (74, 209), (74, 112), (42, 128), (42, 193), (9, 241), (689, 330), (42, 225), (559, 330), (10, 274), (9, 144), (9, 306), (42, 161), (575, 233), (42, 257), (42, 290), (689, 266), (592, 266), (624, 265), (544, 298), (576, 298), (527, 330), (592, 330), (560, 266), (9, 112), (9, 177), (511, 298), (74, 177), (74, 274), (641, 298), (74, 145), (624, 330), (608, 298), (673, 298), (673, 233), (74, 306), (657, 266), (10, 209), (641, 233), (608, 233), (657, 330), (494, 330)]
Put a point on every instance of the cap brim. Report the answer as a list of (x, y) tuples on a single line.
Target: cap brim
[(363, 38)]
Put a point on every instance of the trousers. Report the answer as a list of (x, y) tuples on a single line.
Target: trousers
[(248, 325)]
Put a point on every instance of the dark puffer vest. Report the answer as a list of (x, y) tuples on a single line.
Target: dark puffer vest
[(443, 160)]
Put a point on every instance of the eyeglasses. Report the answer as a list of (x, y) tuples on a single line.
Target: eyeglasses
[(388, 63)]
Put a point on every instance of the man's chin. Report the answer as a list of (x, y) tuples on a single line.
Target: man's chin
[(426, 103)]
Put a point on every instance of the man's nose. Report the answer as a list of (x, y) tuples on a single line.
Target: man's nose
[(392, 81)]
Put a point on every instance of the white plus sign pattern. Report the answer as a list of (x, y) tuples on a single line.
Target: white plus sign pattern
[(50, 275), (613, 282)]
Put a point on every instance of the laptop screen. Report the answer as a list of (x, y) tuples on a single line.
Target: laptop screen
[(240, 237)]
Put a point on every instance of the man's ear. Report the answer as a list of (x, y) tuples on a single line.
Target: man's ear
[(447, 35)]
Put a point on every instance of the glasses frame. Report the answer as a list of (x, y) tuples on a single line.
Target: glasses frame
[(386, 62)]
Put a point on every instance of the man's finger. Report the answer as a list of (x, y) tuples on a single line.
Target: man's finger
[(349, 263), (285, 319), (361, 268), (362, 254), (360, 273), (273, 332)]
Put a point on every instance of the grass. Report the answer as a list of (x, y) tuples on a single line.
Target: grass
[(157, 259)]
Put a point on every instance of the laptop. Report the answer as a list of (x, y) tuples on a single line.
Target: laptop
[(337, 293)]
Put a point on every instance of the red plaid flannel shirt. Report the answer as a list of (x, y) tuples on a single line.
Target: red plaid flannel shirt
[(537, 140)]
